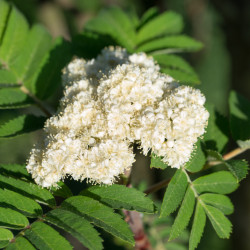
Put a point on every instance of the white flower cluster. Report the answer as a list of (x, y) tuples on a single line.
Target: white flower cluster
[(109, 103)]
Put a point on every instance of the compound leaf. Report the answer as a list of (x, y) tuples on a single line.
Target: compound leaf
[(244, 144), (12, 219), (20, 125), (221, 224), (27, 189), (184, 214), (121, 197), (50, 76), (45, 237), (239, 168), (7, 77), (171, 44), (15, 170), (156, 162), (32, 57), (99, 214), (217, 134), (20, 243), (167, 23), (148, 16), (13, 98), (76, 226), (4, 12), (198, 159), (20, 203), (115, 23), (14, 37), (5, 234), (178, 68), (197, 226), (174, 194), (221, 182), (90, 44), (62, 190), (219, 201)]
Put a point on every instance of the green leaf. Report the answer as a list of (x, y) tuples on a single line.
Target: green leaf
[(115, 23), (184, 214), (174, 194), (34, 53), (13, 98), (180, 76), (7, 77), (12, 219), (101, 215), (5, 234), (121, 197), (14, 37), (244, 144), (4, 12), (148, 16), (171, 44), (62, 190), (20, 203), (167, 23), (239, 116), (214, 156), (156, 162), (197, 226), (133, 17), (217, 134), (219, 201), (198, 159), (19, 244), (15, 170), (177, 67), (89, 45), (27, 189), (50, 76), (173, 61), (239, 168), (221, 182), (20, 125), (221, 224), (76, 226), (45, 237)]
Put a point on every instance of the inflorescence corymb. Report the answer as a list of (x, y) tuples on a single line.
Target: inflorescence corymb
[(109, 103)]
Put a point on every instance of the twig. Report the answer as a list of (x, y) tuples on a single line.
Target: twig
[(36, 100), (225, 157), (134, 219), (157, 186), (234, 153)]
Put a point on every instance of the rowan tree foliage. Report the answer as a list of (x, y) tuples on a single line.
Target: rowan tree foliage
[(33, 217)]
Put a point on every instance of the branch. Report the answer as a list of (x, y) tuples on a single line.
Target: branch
[(134, 219), (234, 153), (36, 100), (157, 186), (227, 156)]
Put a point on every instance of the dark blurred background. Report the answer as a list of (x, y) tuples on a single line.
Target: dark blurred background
[(224, 63)]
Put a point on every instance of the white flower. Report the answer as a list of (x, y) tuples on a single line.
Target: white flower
[(109, 103)]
